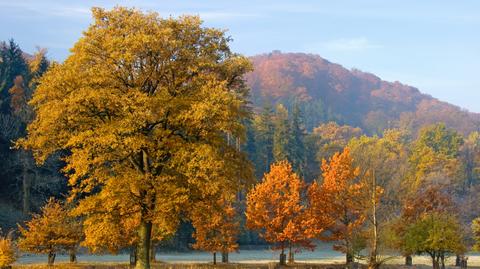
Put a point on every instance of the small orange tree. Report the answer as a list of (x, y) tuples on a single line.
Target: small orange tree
[(275, 208), (216, 226), (341, 191), (51, 231)]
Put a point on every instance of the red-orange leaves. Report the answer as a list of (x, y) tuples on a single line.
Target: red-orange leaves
[(275, 208)]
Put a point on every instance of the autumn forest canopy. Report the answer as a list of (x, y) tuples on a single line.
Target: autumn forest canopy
[(154, 134)]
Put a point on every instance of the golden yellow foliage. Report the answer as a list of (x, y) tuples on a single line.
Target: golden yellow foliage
[(142, 106), (8, 254)]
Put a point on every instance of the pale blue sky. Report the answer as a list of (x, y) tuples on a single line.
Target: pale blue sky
[(430, 44)]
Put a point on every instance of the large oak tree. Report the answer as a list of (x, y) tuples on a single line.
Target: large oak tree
[(141, 108)]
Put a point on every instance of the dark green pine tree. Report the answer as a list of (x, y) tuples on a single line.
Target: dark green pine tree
[(296, 148), (249, 146), (281, 135), (12, 64), (264, 129)]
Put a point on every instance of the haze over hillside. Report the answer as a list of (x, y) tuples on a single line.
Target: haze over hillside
[(328, 91)]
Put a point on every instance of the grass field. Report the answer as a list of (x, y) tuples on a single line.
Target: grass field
[(419, 263), (323, 257), (219, 266)]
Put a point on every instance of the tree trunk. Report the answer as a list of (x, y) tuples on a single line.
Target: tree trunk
[(435, 262), (442, 257), (457, 261), (145, 228), (349, 258), (133, 256), (214, 258), (51, 258), (153, 253), (224, 257), (283, 256), (372, 264), (26, 186), (408, 260), (143, 246), (73, 256), (291, 258)]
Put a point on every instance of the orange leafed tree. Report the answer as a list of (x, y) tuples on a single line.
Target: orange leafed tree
[(341, 189), (216, 226), (275, 208)]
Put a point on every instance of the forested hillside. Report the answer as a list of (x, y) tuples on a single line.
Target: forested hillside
[(329, 92)]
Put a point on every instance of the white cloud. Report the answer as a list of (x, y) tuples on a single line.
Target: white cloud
[(349, 44)]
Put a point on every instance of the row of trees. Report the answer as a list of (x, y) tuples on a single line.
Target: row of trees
[(402, 167), (347, 208)]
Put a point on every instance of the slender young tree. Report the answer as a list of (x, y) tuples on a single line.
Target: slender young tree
[(376, 156), (141, 108)]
